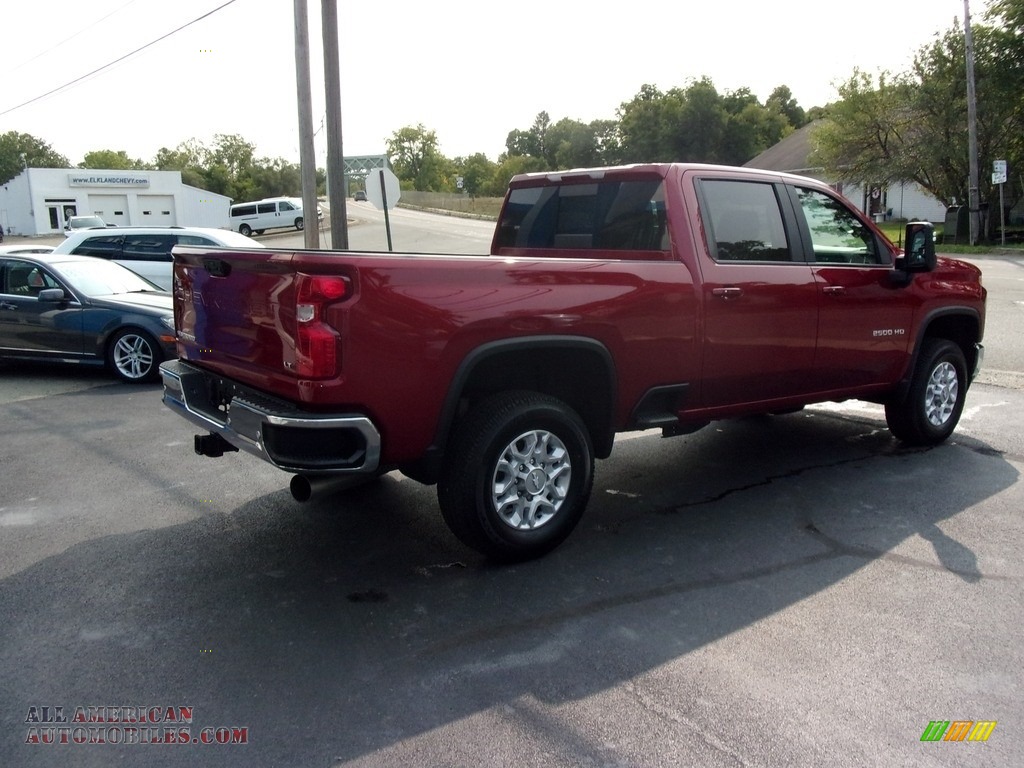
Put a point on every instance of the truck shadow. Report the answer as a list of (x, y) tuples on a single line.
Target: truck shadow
[(345, 628)]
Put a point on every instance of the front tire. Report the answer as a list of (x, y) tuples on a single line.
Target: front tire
[(517, 476), (298, 224), (134, 356), (931, 410)]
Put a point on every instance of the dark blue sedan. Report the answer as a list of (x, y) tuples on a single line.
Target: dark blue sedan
[(79, 309)]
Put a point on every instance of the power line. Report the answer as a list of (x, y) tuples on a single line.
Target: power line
[(115, 61), (72, 37)]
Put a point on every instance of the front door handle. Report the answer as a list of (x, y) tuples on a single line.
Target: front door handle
[(833, 290), (7, 305), (727, 293)]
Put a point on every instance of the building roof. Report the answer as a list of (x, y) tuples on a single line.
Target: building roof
[(789, 155)]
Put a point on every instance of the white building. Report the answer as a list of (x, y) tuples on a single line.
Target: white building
[(39, 200)]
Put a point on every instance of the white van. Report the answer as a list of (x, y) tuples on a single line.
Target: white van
[(272, 213)]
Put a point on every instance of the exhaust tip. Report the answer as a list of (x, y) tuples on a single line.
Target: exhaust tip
[(301, 488)]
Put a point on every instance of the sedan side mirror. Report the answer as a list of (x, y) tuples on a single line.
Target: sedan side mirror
[(51, 295)]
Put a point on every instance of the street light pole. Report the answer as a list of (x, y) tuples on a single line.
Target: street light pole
[(973, 203)]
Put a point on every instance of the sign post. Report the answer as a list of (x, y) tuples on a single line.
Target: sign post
[(384, 195), (999, 177)]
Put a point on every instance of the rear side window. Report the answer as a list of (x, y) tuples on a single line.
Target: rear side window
[(266, 208), (243, 210), (148, 247), (743, 221), (194, 240), (607, 215), (108, 247)]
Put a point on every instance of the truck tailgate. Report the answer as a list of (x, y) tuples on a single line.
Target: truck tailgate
[(256, 316)]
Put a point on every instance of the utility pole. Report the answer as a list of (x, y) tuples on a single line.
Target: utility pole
[(973, 202), (337, 185), (307, 157)]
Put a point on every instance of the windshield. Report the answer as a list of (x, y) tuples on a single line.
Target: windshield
[(103, 278), (83, 222)]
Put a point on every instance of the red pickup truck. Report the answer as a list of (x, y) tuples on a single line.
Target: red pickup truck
[(614, 299)]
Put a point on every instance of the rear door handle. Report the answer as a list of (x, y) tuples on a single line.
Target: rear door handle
[(727, 293), (833, 290)]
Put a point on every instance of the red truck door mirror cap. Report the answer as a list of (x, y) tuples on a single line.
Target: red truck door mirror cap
[(919, 250)]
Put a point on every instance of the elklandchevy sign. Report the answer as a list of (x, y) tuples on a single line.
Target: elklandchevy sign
[(106, 180)]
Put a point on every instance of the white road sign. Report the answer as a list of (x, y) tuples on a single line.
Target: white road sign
[(390, 184)]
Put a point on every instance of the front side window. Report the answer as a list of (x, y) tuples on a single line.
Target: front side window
[(22, 278), (286, 206), (605, 215), (744, 221), (837, 235)]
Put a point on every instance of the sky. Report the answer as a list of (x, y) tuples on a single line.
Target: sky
[(471, 71)]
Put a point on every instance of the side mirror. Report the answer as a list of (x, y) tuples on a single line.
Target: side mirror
[(919, 248), (51, 295)]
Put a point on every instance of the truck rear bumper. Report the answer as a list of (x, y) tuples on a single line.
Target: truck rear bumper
[(272, 429)]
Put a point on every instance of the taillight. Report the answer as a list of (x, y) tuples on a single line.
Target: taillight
[(316, 343)]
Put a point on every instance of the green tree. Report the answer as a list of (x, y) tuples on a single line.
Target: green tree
[(571, 144), (190, 158), (700, 133), (508, 168), (22, 150), (476, 172), (417, 160), (781, 100), (645, 125), (114, 159), (607, 137), (913, 127)]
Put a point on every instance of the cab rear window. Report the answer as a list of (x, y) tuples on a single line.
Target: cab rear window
[(604, 215)]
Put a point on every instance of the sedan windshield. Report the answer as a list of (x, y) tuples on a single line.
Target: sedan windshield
[(103, 278)]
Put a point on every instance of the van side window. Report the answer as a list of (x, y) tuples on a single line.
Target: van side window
[(837, 235), (266, 208), (243, 210), (743, 221)]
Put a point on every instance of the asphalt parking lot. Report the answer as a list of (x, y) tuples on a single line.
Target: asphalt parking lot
[(794, 590)]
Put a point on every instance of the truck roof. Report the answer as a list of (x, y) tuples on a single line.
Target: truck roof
[(639, 169)]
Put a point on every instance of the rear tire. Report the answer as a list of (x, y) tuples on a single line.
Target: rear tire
[(517, 476), (931, 410), (245, 229)]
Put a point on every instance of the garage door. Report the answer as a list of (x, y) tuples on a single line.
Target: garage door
[(156, 211), (113, 209)]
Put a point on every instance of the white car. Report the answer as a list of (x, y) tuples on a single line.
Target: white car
[(76, 223), (147, 250)]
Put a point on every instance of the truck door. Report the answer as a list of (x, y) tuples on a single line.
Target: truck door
[(865, 318), (760, 299)]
